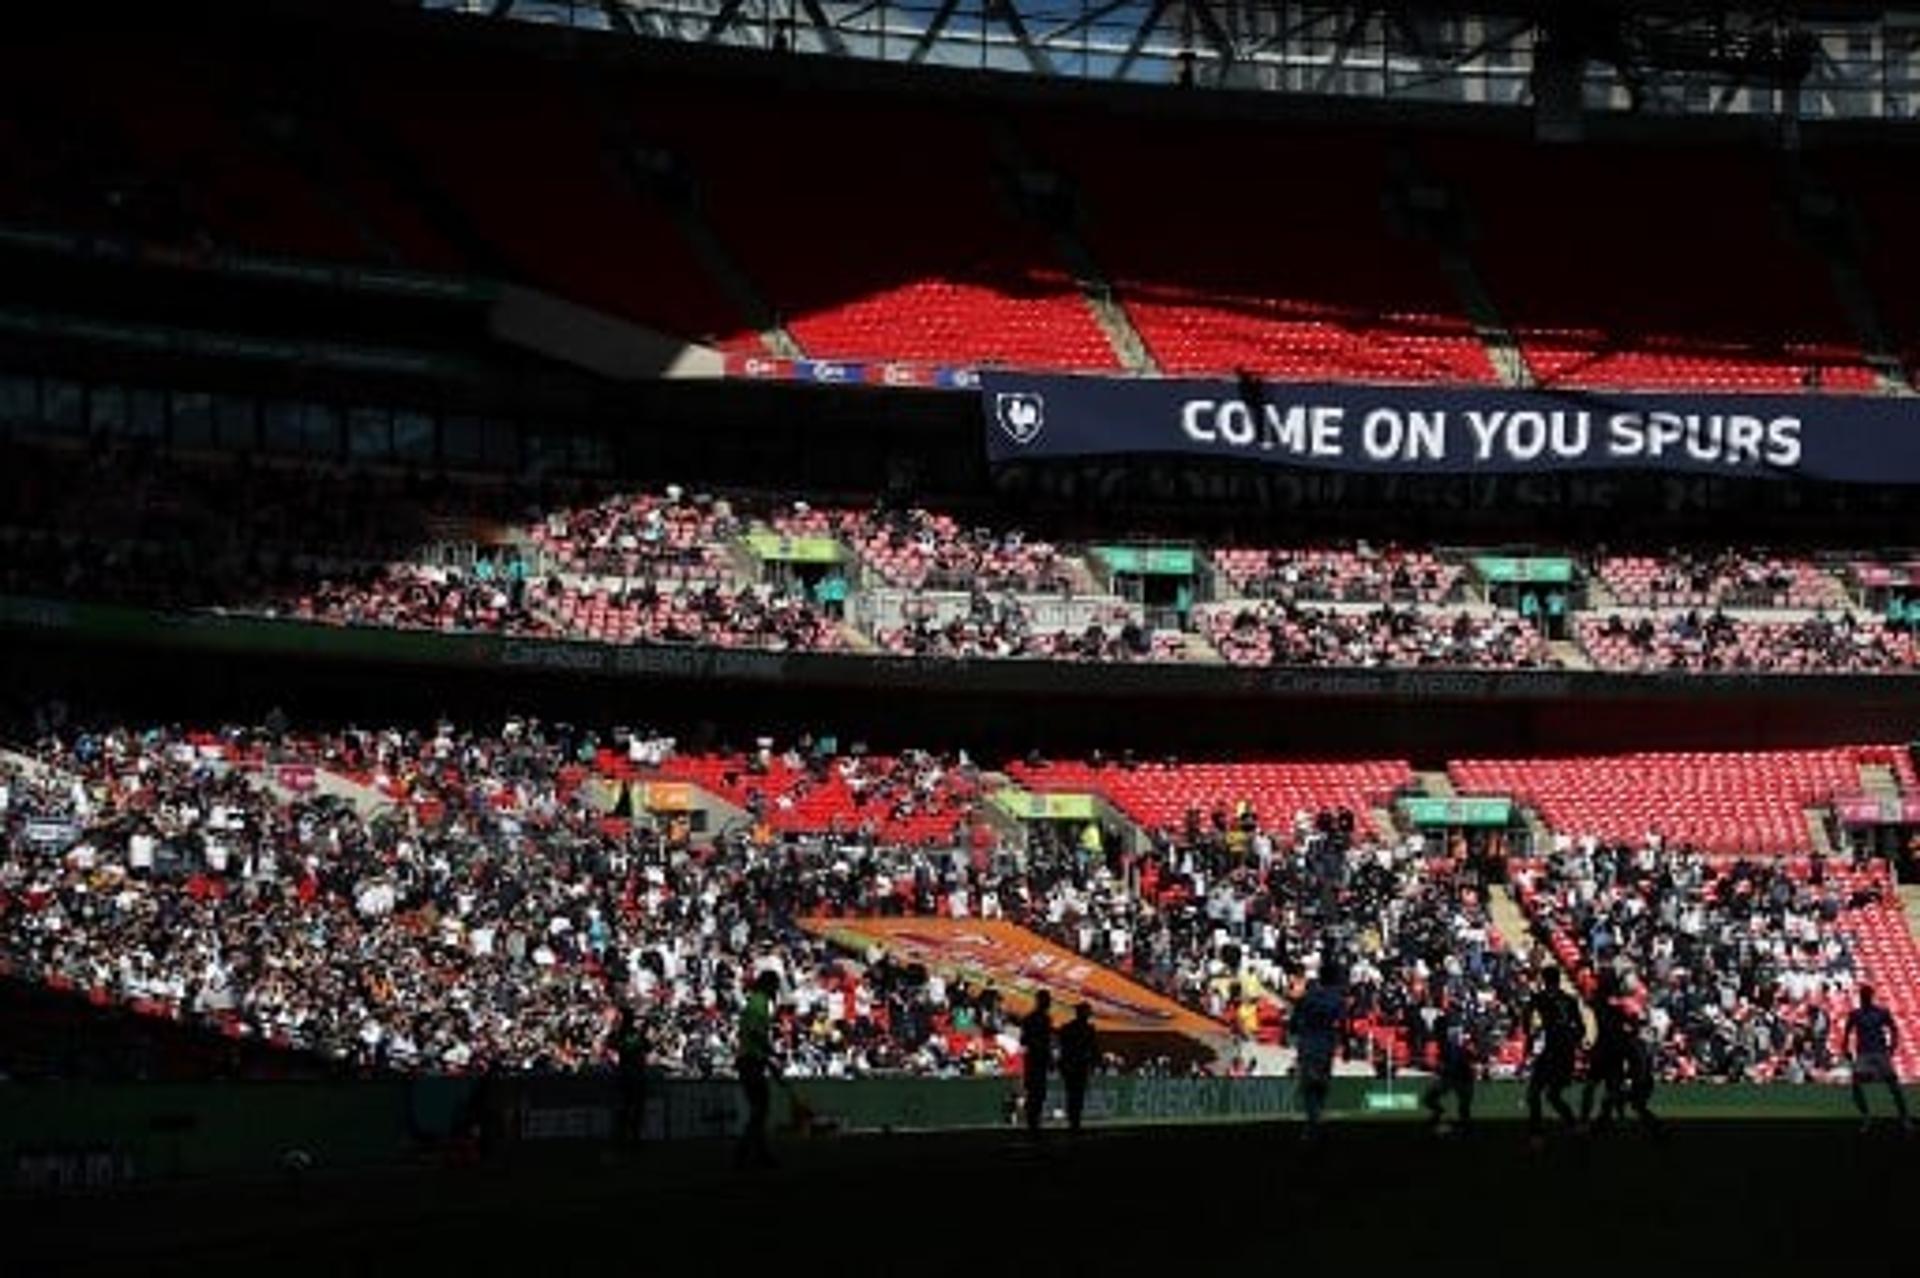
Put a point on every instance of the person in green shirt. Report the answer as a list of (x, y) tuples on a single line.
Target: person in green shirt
[(756, 1065)]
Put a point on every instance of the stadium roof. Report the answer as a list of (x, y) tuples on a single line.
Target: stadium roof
[(1665, 57)]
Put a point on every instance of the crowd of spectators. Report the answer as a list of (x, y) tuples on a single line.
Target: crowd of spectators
[(1313, 574), (486, 595), (672, 536), (916, 798), (923, 549), (494, 917), (1741, 970), (1728, 577), (1005, 628), (1279, 633), (474, 905), (1693, 640), (352, 548), (448, 900), (1232, 916), (717, 615)]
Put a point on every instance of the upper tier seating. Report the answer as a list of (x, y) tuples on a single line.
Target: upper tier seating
[(911, 252), (1876, 184), (1680, 277), (533, 172), (1732, 803), (1288, 269)]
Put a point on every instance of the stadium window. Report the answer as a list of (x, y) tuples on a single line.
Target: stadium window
[(369, 434), (192, 419), (62, 403), (19, 400), (460, 443), (235, 428), (280, 426), (413, 437), (549, 451), (320, 430), (107, 410), (592, 454), (147, 414), (501, 443)]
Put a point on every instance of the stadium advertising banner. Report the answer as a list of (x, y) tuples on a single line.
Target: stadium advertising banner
[(1452, 430), (1019, 964)]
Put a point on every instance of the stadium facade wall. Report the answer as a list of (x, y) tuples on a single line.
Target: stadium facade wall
[(239, 667)]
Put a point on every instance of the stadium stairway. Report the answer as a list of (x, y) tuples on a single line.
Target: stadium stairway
[(1503, 349), (1009, 829), (1877, 781), (855, 639), (710, 812), (1856, 299), (363, 799), (390, 167), (294, 141), (1820, 840), (1194, 647), (1108, 312), (1569, 654), (1436, 785), (1537, 832), (1096, 289), (1826, 225), (1508, 918), (1429, 210), (1910, 906), (733, 281)]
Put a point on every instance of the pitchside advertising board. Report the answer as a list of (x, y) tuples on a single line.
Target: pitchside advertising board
[(1453, 431)]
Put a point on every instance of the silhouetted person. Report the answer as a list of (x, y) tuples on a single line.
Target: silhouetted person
[(1607, 1062), (1640, 1074), (1870, 1039), (1079, 1050), (1456, 1077), (1619, 1064), (1036, 1045), (630, 1045), (1315, 1028), (1552, 1019), (755, 1062)]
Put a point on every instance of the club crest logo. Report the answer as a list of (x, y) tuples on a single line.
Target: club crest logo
[(1021, 414)]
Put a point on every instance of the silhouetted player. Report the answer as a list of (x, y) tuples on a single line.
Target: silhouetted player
[(1871, 1037), (1315, 1027), (755, 1062), (1619, 1062), (1457, 1070), (1079, 1050), (1036, 1045), (1607, 1062), (630, 1045), (1553, 1019)]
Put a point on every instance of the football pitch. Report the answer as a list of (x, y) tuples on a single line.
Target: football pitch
[(1374, 1195)]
